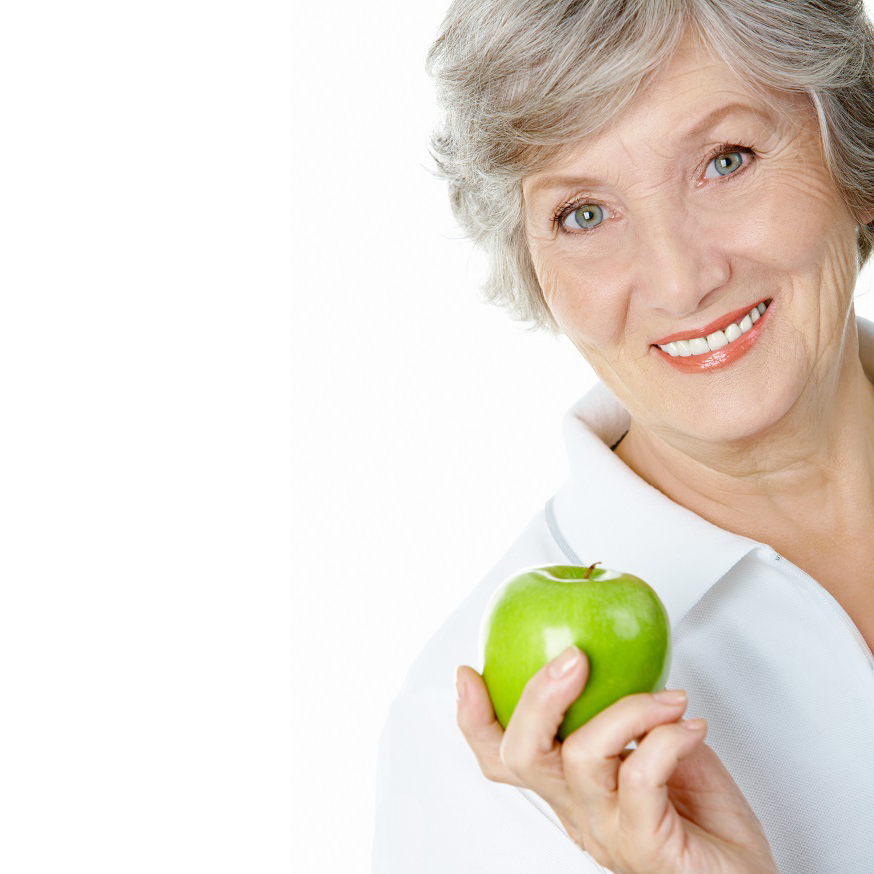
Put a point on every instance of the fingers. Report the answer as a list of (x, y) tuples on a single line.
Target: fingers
[(593, 781), (479, 725), (643, 777), (546, 697), (594, 753), (528, 753), (530, 748)]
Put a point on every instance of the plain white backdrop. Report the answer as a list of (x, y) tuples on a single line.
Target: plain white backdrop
[(146, 308), (430, 423), (259, 435)]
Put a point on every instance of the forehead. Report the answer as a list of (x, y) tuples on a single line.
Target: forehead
[(696, 76), (694, 95)]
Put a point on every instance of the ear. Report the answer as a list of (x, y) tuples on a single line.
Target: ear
[(867, 217)]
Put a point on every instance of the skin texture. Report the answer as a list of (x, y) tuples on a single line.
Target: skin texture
[(668, 807), (779, 446), (787, 460)]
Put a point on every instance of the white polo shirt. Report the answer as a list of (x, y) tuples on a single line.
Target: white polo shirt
[(766, 654)]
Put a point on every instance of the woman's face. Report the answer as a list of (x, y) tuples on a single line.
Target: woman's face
[(697, 202)]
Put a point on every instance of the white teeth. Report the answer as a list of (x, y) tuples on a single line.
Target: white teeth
[(716, 340)]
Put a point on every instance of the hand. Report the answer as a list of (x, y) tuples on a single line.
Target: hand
[(667, 807)]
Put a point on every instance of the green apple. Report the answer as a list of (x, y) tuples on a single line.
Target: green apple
[(615, 618)]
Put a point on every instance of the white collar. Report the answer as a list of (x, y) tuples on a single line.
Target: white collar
[(606, 513)]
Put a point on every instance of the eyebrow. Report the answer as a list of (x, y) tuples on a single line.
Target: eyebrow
[(708, 121)]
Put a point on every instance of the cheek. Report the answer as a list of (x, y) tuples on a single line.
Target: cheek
[(796, 224), (584, 300)]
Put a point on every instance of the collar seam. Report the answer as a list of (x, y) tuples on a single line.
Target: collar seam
[(557, 536)]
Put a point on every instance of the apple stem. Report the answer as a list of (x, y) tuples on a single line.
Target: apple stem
[(591, 567)]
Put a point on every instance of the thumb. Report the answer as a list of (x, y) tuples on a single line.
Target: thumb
[(479, 725), (476, 715), (531, 749), (545, 700)]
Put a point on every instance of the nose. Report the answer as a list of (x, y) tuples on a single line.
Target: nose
[(679, 263)]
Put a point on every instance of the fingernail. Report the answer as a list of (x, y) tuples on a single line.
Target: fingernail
[(564, 662), (670, 696), (460, 687), (695, 724)]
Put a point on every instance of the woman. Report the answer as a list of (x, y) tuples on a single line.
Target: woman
[(685, 189)]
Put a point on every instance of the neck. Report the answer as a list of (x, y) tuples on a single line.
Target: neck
[(808, 478)]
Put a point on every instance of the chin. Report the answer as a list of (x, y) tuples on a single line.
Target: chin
[(740, 421)]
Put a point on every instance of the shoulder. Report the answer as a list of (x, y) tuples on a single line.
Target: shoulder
[(435, 811)]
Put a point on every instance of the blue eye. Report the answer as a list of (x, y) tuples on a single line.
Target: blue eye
[(584, 218), (726, 163)]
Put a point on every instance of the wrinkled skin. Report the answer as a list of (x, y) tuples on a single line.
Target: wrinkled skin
[(674, 245), (667, 807), (781, 459)]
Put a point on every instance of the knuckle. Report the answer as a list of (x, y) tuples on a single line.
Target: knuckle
[(489, 763), (494, 769), (632, 776), (576, 753), (490, 772), (513, 758), (487, 758)]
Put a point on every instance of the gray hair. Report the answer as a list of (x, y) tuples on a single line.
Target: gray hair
[(519, 80)]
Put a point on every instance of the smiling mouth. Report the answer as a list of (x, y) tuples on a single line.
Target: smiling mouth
[(715, 335)]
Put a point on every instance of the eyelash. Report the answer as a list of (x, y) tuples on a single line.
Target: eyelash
[(567, 208)]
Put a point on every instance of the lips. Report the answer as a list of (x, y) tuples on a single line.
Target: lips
[(718, 325)]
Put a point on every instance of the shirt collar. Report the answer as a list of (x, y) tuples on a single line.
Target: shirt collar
[(606, 513)]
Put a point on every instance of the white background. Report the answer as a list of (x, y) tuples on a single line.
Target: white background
[(432, 429), (433, 424), (259, 437)]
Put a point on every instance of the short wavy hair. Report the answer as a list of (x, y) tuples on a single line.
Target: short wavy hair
[(519, 80)]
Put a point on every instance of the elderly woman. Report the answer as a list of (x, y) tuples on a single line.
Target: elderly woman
[(684, 189)]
